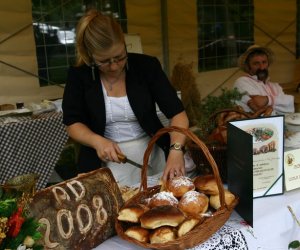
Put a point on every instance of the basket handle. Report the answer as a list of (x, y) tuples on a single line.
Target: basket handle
[(194, 138), (265, 111), (229, 110)]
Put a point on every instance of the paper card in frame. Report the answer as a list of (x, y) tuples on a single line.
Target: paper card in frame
[(291, 169), (268, 151)]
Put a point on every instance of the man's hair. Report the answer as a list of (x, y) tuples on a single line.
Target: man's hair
[(256, 52), (253, 50)]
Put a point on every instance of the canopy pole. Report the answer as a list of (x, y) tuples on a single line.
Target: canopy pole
[(165, 35)]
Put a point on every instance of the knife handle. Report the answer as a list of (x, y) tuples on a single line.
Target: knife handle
[(122, 158)]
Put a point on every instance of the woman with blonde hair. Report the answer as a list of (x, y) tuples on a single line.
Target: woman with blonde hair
[(109, 104)]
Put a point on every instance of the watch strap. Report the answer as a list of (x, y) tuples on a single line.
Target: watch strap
[(177, 146)]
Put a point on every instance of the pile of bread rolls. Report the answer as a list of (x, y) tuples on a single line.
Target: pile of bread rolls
[(181, 205), (4, 107)]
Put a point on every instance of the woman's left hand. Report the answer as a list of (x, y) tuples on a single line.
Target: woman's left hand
[(175, 162), (174, 166)]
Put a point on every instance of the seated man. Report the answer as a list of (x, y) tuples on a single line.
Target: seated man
[(261, 92)]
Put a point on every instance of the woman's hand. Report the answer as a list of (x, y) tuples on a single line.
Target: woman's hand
[(175, 162), (174, 166), (107, 150)]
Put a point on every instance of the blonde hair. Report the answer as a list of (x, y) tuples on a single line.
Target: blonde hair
[(96, 32)]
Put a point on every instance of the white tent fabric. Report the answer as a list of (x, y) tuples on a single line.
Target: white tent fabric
[(274, 26)]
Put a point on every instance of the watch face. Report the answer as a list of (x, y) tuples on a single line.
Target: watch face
[(177, 146)]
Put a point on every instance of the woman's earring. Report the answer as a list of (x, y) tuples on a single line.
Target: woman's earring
[(93, 71), (127, 66)]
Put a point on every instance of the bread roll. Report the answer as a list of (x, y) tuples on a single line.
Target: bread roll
[(162, 184), (138, 233), (206, 184), (162, 235), (132, 213), (214, 200), (162, 216), (193, 204), (5, 107), (128, 192), (180, 185), (163, 198), (187, 226)]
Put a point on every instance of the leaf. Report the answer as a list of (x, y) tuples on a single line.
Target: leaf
[(294, 244), (211, 104), (7, 207)]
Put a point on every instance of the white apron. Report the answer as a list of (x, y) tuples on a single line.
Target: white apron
[(127, 174)]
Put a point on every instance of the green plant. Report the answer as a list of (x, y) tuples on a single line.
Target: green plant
[(294, 244), (211, 104), (17, 229)]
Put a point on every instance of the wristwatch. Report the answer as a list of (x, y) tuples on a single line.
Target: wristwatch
[(177, 146)]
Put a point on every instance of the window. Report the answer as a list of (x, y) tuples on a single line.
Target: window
[(225, 31), (54, 23)]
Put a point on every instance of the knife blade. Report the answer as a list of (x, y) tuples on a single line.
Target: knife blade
[(124, 159)]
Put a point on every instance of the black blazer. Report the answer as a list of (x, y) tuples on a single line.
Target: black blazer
[(146, 85)]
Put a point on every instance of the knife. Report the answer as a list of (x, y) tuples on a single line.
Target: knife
[(124, 159)]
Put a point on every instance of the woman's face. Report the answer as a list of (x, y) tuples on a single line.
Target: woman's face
[(113, 60)]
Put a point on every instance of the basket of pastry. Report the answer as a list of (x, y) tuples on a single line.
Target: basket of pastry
[(179, 214), (216, 138), (222, 117)]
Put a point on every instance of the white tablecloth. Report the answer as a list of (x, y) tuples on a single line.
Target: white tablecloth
[(274, 225)]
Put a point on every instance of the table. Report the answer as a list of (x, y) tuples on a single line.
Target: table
[(274, 225), (296, 94), (31, 144), (274, 228)]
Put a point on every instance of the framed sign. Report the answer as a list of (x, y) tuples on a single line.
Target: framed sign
[(78, 213), (267, 153), (292, 169)]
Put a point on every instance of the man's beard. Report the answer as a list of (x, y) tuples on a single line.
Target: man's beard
[(262, 74)]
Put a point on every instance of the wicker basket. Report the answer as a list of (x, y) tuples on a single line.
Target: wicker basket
[(202, 231), (218, 152), (217, 144)]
